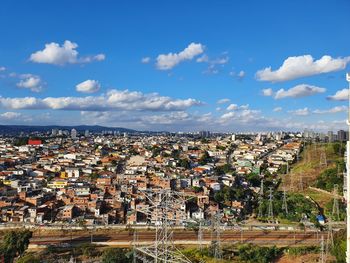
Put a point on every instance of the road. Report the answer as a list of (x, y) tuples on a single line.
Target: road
[(125, 238)]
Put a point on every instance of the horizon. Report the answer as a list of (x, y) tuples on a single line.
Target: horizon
[(228, 67)]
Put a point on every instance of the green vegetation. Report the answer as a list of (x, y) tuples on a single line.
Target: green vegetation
[(29, 258), (305, 250), (255, 254), (205, 158), (116, 255), (14, 244), (298, 207), (329, 177), (339, 248)]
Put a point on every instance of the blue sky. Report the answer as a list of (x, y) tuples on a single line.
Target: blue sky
[(165, 65)]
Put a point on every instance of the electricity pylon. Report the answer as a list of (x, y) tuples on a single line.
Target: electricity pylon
[(335, 210), (284, 203), (270, 209), (216, 239), (165, 209)]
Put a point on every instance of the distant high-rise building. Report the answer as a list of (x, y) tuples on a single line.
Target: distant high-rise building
[(87, 133), (73, 133), (54, 132), (204, 134), (342, 135), (330, 136), (233, 137)]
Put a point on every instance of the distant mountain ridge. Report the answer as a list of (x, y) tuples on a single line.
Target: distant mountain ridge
[(13, 129)]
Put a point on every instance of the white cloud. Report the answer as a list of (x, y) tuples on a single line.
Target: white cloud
[(145, 60), (232, 107), (332, 110), (277, 109), (299, 91), (340, 95), (88, 86), (55, 54), (267, 92), (32, 82), (203, 58), (302, 66), (170, 60), (113, 100), (300, 112), (10, 115), (2, 68), (223, 101), (240, 75)]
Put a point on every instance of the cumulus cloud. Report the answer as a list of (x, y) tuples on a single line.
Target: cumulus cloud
[(299, 91), (340, 95), (10, 115), (55, 54), (240, 75), (223, 101), (232, 107), (302, 66), (267, 92), (145, 60), (170, 60), (2, 68), (332, 110), (88, 86), (113, 100), (203, 58), (300, 112), (31, 82), (277, 109)]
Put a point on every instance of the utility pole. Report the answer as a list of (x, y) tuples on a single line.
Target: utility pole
[(348, 181)]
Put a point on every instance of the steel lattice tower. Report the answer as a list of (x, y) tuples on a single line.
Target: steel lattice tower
[(284, 204), (270, 210), (216, 239), (261, 198), (335, 210), (165, 212)]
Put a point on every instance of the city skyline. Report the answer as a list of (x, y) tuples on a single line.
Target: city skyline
[(247, 66)]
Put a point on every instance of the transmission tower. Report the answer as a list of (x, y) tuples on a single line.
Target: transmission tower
[(165, 209), (270, 210), (284, 204), (216, 239), (323, 158), (261, 198), (330, 240), (200, 236), (335, 210), (134, 244), (322, 255), (301, 185)]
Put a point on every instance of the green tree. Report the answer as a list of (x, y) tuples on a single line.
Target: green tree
[(15, 243), (29, 258), (116, 255)]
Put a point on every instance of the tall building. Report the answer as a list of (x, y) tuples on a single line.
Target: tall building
[(343, 135), (54, 132), (330, 136), (73, 133), (87, 133)]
